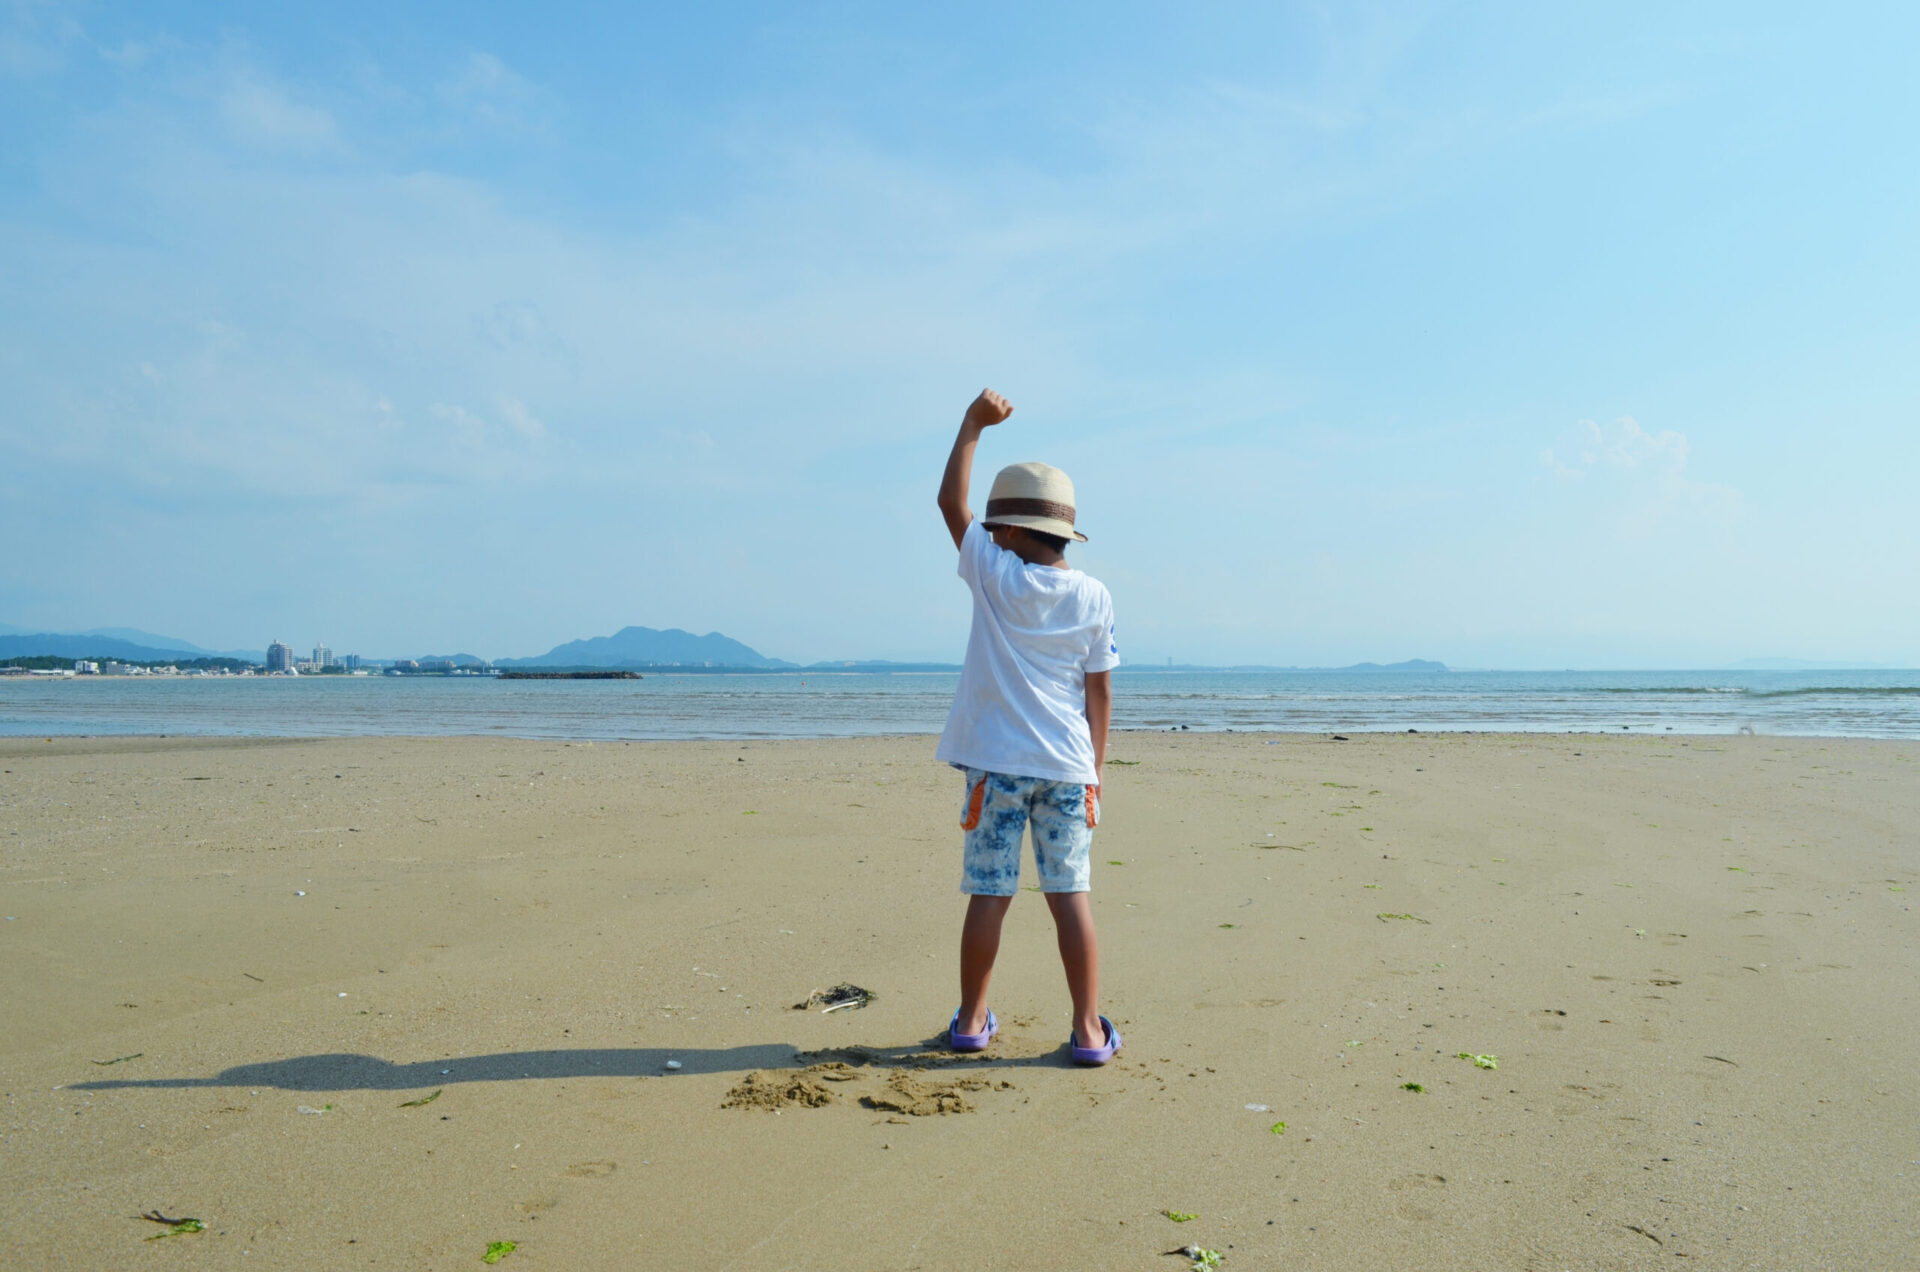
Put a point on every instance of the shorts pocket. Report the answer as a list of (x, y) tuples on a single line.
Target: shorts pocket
[(1093, 807), (976, 798)]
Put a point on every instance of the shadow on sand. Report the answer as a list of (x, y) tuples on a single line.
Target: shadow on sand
[(341, 1071)]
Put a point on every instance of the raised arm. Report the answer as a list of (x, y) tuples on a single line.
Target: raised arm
[(985, 411)]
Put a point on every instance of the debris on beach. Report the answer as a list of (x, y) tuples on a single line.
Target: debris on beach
[(424, 1100), (1414, 1087), (908, 1094), (498, 1250), (308, 1108), (1412, 918), (1179, 1216), (121, 1059), (840, 996), (1479, 1061), (1279, 1128), (771, 1092), (175, 1227), (1200, 1256)]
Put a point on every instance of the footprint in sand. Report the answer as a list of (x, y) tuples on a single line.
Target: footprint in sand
[(1577, 1100), (1416, 1184), (590, 1170)]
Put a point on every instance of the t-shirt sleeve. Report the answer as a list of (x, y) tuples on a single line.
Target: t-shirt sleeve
[(1105, 655), (977, 550)]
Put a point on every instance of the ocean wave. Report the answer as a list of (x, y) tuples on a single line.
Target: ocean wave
[(1657, 691), (1843, 691)]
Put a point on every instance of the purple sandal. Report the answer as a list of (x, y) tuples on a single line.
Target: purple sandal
[(1096, 1055), (971, 1042)]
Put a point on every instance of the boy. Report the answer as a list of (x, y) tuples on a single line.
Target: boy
[(1028, 726)]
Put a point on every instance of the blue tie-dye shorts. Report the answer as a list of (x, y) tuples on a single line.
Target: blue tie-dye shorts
[(998, 808)]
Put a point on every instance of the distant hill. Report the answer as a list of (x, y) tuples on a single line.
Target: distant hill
[(458, 660), (65, 646), (646, 647), (159, 648)]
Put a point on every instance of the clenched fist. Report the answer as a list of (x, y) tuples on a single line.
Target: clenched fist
[(988, 409)]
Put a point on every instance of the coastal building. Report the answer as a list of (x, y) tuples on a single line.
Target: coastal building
[(279, 657), (322, 656), (350, 661)]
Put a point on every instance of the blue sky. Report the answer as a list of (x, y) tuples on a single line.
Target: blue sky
[(1517, 336)]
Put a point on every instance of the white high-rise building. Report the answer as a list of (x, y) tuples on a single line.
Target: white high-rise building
[(279, 657), (322, 656)]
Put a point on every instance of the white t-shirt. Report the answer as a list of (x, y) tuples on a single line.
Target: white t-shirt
[(1021, 708)]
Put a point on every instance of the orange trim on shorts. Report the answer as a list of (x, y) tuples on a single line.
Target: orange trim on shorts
[(974, 801), (1093, 808)]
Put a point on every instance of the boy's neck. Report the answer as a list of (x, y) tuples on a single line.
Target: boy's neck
[(1040, 554)]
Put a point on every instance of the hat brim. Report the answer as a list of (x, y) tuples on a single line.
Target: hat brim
[(1045, 525)]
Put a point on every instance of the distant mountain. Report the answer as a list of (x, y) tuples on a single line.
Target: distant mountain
[(1411, 664), (458, 660), (66, 646), (134, 635), (646, 647), (163, 646)]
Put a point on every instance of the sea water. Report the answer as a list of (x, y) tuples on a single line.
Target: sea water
[(669, 705)]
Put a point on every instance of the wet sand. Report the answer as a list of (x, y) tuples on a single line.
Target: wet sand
[(1695, 960)]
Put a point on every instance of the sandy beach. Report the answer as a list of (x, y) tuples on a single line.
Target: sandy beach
[(231, 971)]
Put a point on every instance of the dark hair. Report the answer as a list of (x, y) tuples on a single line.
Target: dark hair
[(1053, 541)]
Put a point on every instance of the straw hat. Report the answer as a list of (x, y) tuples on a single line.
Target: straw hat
[(1037, 496)]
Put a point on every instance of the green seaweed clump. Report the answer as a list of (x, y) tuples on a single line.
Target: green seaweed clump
[(1415, 1087), (498, 1250)]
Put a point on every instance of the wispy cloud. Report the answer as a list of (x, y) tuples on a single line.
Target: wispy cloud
[(1643, 475), (262, 112), (34, 37), (489, 90), (520, 419)]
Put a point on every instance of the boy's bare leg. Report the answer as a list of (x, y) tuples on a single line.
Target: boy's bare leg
[(1080, 955), (979, 947)]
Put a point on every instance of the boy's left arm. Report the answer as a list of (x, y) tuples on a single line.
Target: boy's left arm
[(982, 414), (1099, 716)]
